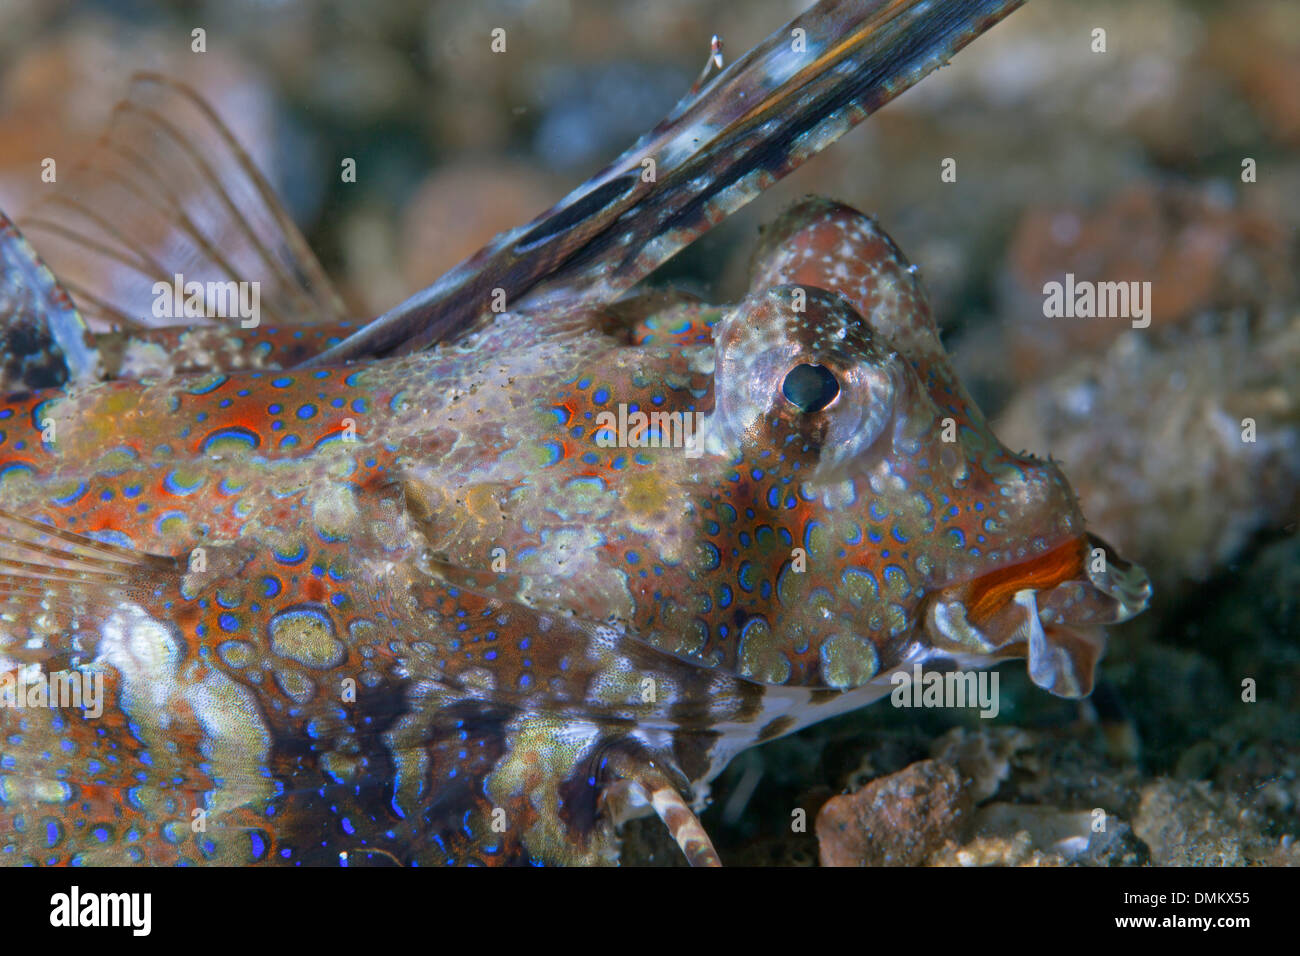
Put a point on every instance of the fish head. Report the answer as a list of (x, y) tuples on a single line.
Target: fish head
[(924, 538)]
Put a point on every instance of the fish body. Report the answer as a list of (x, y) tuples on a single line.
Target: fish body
[(444, 606)]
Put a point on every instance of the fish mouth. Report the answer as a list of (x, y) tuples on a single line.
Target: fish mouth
[(1051, 610)]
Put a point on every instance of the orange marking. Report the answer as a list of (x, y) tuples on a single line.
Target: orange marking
[(989, 592)]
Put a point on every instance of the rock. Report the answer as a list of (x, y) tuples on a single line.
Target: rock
[(983, 758), (1017, 850), (1067, 836), (1117, 845), (1192, 824), (1049, 829), (897, 820), (1031, 835)]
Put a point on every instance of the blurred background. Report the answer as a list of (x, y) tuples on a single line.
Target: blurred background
[(1122, 165)]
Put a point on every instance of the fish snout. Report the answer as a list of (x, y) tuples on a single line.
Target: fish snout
[(1126, 584), (1051, 610)]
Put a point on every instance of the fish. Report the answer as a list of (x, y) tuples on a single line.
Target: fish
[(481, 588)]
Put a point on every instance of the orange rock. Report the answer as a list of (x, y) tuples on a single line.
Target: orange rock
[(898, 820)]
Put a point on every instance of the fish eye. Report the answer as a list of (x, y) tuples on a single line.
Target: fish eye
[(810, 388)]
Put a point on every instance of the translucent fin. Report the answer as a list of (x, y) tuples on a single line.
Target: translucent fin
[(168, 191), (43, 341), (53, 582)]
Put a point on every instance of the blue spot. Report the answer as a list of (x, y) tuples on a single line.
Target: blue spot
[(807, 534), (74, 495), (897, 577), (711, 556), (289, 557), (330, 439), (236, 433), (594, 482), (176, 487), (10, 467), (112, 537)]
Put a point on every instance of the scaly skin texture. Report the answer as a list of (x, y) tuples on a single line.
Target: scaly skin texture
[(420, 610)]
